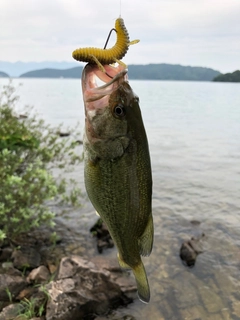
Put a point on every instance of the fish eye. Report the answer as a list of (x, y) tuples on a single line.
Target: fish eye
[(119, 110)]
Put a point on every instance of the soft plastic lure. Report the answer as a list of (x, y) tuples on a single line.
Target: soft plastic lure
[(107, 56)]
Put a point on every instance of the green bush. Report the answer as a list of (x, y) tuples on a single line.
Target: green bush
[(29, 152)]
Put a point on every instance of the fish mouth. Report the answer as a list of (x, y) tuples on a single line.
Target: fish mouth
[(112, 79)]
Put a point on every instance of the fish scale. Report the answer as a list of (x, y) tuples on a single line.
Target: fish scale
[(117, 169)]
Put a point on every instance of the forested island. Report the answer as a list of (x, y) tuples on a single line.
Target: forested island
[(54, 73), (165, 71), (228, 77), (161, 71)]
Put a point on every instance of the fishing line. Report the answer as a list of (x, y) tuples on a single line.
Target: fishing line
[(120, 7)]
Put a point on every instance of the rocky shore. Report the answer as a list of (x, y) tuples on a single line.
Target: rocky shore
[(39, 283)]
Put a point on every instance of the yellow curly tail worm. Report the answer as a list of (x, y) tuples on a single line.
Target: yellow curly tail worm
[(107, 56)]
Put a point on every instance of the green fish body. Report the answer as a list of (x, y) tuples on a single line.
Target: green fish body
[(117, 170)]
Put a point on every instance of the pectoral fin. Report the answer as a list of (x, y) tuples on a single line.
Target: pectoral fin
[(146, 240)]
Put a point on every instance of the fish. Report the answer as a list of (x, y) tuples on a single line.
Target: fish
[(117, 166)]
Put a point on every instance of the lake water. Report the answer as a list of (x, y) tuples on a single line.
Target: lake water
[(193, 130)]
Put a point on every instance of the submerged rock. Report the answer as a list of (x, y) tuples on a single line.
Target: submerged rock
[(84, 289), (63, 134), (104, 240), (190, 249)]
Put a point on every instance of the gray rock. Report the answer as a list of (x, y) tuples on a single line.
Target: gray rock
[(39, 275), (83, 287), (127, 286), (8, 269), (26, 258), (11, 312), (11, 285), (5, 253)]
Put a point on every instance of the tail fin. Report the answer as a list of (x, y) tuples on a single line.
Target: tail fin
[(142, 283)]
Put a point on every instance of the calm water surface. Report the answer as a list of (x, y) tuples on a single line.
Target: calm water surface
[(194, 136)]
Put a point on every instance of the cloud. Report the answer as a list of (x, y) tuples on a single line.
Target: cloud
[(182, 31)]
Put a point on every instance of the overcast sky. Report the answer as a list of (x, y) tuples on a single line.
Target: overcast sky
[(188, 32)]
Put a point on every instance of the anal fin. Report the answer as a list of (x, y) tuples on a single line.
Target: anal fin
[(122, 263)]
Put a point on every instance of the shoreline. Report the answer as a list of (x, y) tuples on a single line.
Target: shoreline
[(33, 269)]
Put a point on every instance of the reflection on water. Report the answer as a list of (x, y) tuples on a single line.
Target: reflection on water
[(194, 137)]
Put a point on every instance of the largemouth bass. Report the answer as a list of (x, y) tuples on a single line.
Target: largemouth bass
[(117, 170)]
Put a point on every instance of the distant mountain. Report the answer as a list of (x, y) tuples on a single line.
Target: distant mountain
[(149, 72), (228, 77), (54, 73), (3, 75), (165, 71), (14, 69)]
